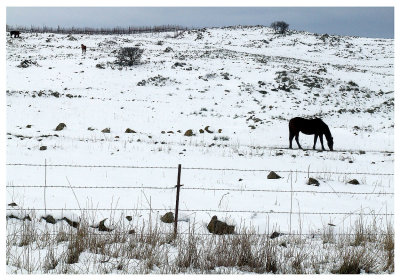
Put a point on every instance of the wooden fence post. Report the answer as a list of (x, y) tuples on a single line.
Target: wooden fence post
[(178, 188), (291, 201)]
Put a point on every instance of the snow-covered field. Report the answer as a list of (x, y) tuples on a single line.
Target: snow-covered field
[(244, 84)]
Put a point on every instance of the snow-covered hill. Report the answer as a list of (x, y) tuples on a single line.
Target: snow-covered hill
[(243, 84)]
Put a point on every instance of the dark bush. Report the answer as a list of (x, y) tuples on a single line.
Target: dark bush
[(129, 56), (280, 27)]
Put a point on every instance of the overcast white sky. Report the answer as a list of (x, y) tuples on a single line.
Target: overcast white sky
[(358, 21)]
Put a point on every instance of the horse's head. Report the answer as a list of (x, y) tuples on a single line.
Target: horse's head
[(330, 143)]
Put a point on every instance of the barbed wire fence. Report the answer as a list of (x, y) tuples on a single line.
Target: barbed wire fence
[(179, 186)]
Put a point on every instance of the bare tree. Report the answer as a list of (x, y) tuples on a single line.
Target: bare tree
[(280, 27)]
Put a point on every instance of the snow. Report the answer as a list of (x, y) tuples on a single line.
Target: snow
[(194, 99)]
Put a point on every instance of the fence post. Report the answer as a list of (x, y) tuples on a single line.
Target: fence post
[(291, 201), (178, 188)]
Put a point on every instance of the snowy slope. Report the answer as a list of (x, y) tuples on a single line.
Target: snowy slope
[(245, 82)]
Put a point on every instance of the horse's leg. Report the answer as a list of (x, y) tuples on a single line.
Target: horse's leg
[(291, 136), (315, 140), (322, 141), (297, 140)]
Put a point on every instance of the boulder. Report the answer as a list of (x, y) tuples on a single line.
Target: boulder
[(128, 130), (43, 148), (218, 227), (168, 218), (106, 130), (275, 234), (102, 227), (50, 219), (71, 223)]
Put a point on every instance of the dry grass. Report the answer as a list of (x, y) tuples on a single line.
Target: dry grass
[(149, 250)]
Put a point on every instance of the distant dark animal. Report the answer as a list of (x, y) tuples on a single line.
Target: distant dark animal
[(309, 127), (16, 33), (83, 47)]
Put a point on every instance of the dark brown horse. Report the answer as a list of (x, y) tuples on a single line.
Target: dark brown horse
[(309, 127), (15, 33), (83, 47)]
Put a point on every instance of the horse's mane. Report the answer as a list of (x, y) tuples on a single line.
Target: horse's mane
[(327, 130)]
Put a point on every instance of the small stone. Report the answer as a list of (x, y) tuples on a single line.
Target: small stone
[(43, 148), (189, 132), (61, 126), (312, 181), (207, 128), (273, 175), (27, 218), (129, 218), (353, 182)]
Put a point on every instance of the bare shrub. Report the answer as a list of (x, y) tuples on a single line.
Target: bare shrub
[(388, 245), (188, 255), (129, 56), (148, 249), (280, 27), (50, 261)]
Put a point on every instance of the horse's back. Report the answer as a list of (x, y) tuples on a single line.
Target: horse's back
[(294, 122), (307, 126)]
